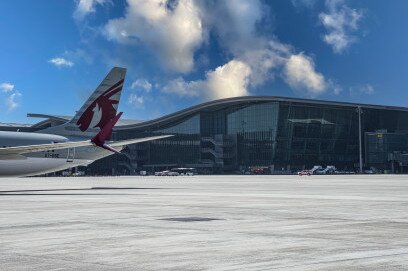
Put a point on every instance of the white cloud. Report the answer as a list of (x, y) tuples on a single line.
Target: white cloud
[(183, 88), (61, 62), (235, 23), (171, 29), (13, 96), (175, 30), (337, 89), (229, 80), (84, 7), (136, 101), (300, 73), (340, 21), (141, 84), (237, 76), (6, 87), (367, 89), (12, 101), (265, 60), (78, 56)]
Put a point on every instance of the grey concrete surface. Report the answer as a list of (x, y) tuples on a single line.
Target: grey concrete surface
[(205, 223)]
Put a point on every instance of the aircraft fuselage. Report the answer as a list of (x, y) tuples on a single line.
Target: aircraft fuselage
[(38, 163)]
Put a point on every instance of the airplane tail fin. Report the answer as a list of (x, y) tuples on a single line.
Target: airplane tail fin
[(102, 105), (98, 110)]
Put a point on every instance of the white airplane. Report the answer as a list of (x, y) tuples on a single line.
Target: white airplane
[(79, 142)]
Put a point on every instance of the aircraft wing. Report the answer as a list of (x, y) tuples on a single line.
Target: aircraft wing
[(136, 140), (15, 151)]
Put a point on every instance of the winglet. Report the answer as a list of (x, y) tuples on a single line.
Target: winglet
[(105, 134)]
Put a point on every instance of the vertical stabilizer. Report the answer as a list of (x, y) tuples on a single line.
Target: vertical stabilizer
[(98, 110)]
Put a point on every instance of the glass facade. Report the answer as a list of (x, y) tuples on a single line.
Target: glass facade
[(281, 133), (380, 145), (316, 134)]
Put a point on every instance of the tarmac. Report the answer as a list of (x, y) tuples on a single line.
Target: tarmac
[(205, 223)]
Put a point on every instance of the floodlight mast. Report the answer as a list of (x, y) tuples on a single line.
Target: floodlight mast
[(359, 111)]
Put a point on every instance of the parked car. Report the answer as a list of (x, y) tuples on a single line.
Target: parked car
[(312, 171), (327, 170), (78, 173), (159, 173), (305, 172), (371, 170), (316, 169), (182, 171), (173, 173), (166, 173)]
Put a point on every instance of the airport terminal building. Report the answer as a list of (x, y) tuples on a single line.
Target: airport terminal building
[(282, 134)]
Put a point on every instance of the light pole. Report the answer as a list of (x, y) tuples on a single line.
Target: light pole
[(243, 123), (359, 111)]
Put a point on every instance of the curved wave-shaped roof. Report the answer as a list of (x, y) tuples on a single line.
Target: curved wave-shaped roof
[(218, 104)]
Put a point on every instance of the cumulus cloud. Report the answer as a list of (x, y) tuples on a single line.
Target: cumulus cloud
[(184, 88), (340, 22), (264, 60), (251, 69), (84, 7), (12, 101), (174, 30), (235, 23), (171, 29), (61, 62), (299, 72), (6, 87), (141, 84), (136, 101), (255, 57), (229, 80), (366, 89)]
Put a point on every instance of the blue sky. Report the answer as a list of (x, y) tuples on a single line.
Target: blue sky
[(180, 53)]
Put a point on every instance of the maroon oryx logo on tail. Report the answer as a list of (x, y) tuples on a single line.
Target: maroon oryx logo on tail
[(102, 110)]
